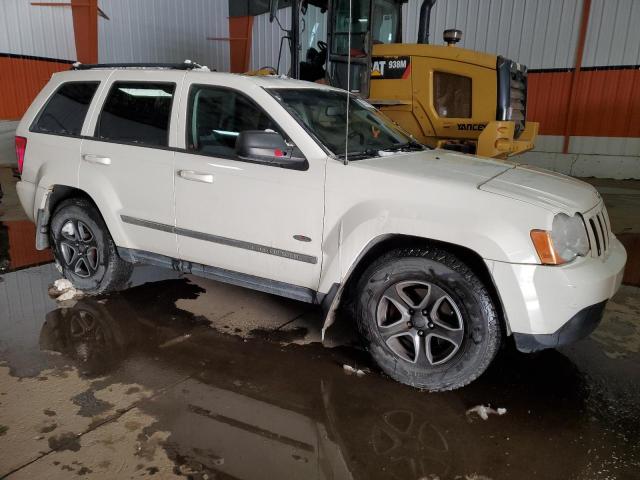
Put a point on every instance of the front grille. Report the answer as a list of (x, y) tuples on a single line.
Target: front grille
[(599, 231), (518, 97), (512, 93)]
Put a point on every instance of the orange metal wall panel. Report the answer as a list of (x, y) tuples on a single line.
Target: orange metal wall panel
[(21, 80), (85, 29), (607, 102), (240, 30), (548, 99), (22, 251)]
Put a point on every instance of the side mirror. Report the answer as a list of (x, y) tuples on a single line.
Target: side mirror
[(273, 10), (268, 147)]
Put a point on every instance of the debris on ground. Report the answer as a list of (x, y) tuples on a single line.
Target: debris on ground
[(484, 411), (349, 370), (63, 290), (175, 340)]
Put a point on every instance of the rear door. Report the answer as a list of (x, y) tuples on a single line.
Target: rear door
[(55, 134), (248, 217), (127, 164)]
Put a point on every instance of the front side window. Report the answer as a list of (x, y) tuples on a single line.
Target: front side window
[(217, 116), (67, 108), (137, 112), (324, 114), (452, 95)]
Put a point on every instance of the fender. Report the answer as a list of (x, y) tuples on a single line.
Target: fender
[(52, 195)]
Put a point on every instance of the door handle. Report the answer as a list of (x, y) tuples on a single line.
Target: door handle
[(87, 157), (196, 176)]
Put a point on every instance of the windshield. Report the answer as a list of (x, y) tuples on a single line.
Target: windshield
[(324, 114)]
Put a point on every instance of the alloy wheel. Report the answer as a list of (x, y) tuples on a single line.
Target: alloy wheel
[(420, 322), (79, 248)]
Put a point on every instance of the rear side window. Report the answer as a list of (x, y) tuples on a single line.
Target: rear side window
[(216, 118), (137, 112), (65, 111)]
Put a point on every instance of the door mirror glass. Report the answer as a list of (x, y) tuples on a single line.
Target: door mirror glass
[(269, 147)]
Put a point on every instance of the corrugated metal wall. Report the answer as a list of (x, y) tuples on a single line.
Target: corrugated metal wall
[(41, 31), (266, 42), (165, 31), (540, 34), (614, 35)]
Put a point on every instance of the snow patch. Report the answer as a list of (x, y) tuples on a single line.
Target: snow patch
[(483, 411), (63, 290)]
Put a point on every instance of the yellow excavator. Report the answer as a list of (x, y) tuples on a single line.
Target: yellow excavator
[(445, 96)]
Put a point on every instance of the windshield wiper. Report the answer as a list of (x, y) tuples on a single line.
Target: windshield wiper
[(410, 146), (360, 154)]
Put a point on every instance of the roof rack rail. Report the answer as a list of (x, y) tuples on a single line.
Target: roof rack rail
[(186, 65)]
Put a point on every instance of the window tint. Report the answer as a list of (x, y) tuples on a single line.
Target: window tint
[(137, 112), (65, 111), (216, 118), (452, 95)]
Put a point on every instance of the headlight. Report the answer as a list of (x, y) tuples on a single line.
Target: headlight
[(566, 240)]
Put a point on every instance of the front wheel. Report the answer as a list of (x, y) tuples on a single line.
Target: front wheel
[(84, 250), (427, 318)]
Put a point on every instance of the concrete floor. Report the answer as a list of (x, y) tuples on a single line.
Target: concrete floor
[(185, 377)]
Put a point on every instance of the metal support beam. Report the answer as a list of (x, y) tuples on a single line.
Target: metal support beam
[(575, 76)]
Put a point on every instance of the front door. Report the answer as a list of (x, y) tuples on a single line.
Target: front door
[(127, 167), (256, 219)]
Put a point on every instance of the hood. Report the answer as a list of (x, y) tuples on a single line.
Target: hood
[(553, 191), (440, 165)]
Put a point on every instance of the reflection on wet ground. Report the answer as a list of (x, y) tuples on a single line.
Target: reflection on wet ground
[(147, 383), (17, 246)]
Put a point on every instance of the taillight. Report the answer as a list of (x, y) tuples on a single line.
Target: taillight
[(21, 147)]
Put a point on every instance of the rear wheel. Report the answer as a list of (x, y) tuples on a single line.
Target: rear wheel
[(84, 250), (428, 320)]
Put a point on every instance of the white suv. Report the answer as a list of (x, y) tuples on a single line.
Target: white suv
[(245, 180)]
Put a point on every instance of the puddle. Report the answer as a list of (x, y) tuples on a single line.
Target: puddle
[(216, 405)]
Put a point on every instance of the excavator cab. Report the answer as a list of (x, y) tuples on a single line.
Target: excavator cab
[(354, 27)]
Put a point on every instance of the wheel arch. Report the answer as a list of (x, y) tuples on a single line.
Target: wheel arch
[(56, 195), (341, 295)]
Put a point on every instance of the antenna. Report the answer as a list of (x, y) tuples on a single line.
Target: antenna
[(346, 135)]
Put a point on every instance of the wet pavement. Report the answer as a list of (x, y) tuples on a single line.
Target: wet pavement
[(189, 378), (186, 377)]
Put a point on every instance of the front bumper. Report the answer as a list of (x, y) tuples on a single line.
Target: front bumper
[(579, 326), (561, 302)]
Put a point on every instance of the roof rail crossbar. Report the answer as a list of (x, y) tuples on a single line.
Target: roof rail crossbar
[(186, 65)]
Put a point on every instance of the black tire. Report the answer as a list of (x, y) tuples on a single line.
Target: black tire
[(450, 341), (85, 251)]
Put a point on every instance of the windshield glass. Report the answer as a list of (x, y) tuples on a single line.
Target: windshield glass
[(324, 114)]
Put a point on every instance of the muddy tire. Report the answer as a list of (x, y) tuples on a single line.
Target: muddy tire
[(84, 250), (427, 319)]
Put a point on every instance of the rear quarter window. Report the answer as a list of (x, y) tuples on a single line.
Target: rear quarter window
[(137, 112), (66, 109)]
